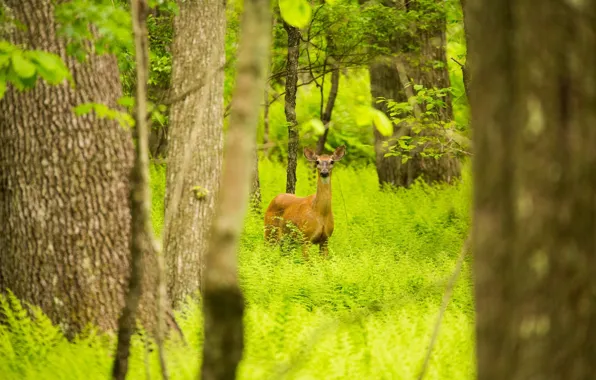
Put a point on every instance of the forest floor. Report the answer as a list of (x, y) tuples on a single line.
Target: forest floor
[(365, 313)]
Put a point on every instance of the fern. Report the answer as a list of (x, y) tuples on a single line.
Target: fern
[(366, 313)]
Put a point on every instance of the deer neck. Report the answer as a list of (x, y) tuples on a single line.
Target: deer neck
[(322, 201)]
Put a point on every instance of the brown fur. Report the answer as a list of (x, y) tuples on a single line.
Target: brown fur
[(311, 215)]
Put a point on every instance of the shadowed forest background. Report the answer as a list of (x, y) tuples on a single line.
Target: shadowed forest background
[(142, 143)]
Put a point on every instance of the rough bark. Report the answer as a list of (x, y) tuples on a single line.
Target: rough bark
[(418, 67), (533, 114), (65, 230), (224, 303), (290, 105), (195, 148), (142, 242)]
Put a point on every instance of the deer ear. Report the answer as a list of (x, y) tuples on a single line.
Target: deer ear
[(310, 154), (339, 153)]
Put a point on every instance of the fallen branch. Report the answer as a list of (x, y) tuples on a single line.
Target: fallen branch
[(446, 298)]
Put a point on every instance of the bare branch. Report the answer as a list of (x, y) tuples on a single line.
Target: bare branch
[(446, 298)]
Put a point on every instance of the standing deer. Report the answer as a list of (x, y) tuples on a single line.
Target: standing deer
[(311, 215)]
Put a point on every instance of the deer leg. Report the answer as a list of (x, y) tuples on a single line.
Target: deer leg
[(305, 248), (324, 248)]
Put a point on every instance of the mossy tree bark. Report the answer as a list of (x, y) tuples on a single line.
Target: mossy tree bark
[(533, 114), (196, 141), (64, 179)]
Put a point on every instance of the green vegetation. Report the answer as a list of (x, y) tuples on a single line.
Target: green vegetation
[(366, 313)]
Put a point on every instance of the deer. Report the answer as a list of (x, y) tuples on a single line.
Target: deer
[(312, 215)]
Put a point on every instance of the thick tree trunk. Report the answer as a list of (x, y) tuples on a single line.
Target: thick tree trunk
[(290, 105), (64, 206), (224, 303), (418, 67), (384, 82), (196, 141), (534, 111)]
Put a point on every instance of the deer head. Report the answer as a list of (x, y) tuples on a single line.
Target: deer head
[(325, 162)]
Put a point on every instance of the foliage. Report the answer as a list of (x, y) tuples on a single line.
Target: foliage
[(94, 26), (295, 12), (344, 128), (22, 68), (366, 313), (429, 136)]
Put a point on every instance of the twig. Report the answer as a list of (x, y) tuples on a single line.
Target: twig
[(446, 298), (456, 61), (193, 89)]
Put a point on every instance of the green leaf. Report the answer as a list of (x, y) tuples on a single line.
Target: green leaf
[(363, 116), (50, 66), (382, 123), (83, 109), (127, 101), (2, 87), (4, 60), (430, 106), (21, 66), (418, 87), (318, 126), (295, 12)]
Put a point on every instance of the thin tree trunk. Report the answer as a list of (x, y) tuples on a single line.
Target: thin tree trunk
[(224, 303), (290, 105), (64, 180), (196, 142), (255, 190), (533, 114), (266, 116), (142, 241), (326, 117), (465, 69)]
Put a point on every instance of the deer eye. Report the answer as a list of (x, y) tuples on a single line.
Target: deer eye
[(318, 162), (331, 162)]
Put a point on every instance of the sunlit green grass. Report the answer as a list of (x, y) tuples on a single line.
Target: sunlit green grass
[(365, 313)]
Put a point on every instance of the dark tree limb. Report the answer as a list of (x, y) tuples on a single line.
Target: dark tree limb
[(290, 106), (326, 116)]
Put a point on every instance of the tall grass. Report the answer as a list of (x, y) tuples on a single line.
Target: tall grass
[(365, 313)]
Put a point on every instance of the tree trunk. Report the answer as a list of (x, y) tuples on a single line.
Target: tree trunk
[(266, 116), (195, 149), (290, 105), (384, 82), (224, 303), (64, 206), (255, 189), (418, 67), (326, 116), (533, 114), (465, 69), (142, 240)]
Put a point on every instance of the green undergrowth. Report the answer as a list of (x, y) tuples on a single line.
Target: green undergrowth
[(365, 313)]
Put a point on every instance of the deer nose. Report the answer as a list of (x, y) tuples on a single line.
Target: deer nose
[(324, 174)]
